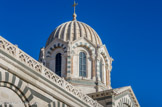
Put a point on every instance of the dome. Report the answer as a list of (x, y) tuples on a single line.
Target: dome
[(73, 30)]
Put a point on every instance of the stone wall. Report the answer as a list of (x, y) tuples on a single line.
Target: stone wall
[(36, 84)]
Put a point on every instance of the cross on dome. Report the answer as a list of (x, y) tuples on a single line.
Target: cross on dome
[(74, 14)]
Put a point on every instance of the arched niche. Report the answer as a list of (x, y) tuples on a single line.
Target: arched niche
[(13, 83), (8, 98)]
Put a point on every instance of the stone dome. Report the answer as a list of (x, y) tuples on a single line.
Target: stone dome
[(73, 30)]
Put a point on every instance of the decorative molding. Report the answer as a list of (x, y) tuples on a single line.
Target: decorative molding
[(21, 56), (57, 104), (84, 44), (55, 46)]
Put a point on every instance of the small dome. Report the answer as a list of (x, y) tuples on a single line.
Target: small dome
[(73, 30)]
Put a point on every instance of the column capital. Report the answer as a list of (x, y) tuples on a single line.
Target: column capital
[(93, 56)]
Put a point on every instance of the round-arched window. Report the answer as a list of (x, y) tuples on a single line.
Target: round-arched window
[(58, 64), (82, 64)]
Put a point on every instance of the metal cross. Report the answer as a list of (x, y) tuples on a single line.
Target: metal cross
[(74, 5)]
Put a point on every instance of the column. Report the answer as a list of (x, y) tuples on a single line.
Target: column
[(93, 67), (107, 77)]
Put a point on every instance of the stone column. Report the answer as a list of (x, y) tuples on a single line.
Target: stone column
[(98, 68), (107, 77), (93, 67)]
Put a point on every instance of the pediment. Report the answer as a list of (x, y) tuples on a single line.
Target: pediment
[(125, 97)]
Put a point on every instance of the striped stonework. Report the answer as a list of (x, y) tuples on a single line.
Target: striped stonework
[(6, 105), (87, 45), (125, 98), (72, 31), (125, 102), (68, 64), (12, 82), (57, 104), (55, 46), (71, 64)]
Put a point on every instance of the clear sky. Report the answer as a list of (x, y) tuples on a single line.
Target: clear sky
[(131, 30)]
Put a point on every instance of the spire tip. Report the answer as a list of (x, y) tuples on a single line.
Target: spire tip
[(74, 14)]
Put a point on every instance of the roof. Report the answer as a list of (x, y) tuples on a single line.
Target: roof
[(73, 30)]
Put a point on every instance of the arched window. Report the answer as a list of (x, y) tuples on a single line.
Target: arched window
[(58, 64), (82, 64), (101, 71)]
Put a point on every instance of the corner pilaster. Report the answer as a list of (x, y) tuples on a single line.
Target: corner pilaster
[(69, 57)]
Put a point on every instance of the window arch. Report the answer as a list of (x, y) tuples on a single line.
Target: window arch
[(101, 70), (82, 64), (58, 64)]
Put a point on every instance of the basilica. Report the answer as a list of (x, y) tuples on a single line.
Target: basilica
[(73, 70)]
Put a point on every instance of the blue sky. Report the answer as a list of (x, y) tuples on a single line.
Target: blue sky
[(131, 30)]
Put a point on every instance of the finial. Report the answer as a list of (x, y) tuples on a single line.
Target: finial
[(74, 14)]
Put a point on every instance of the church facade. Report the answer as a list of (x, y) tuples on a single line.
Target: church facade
[(73, 70)]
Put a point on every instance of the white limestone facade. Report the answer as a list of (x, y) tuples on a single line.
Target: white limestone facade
[(24, 82)]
